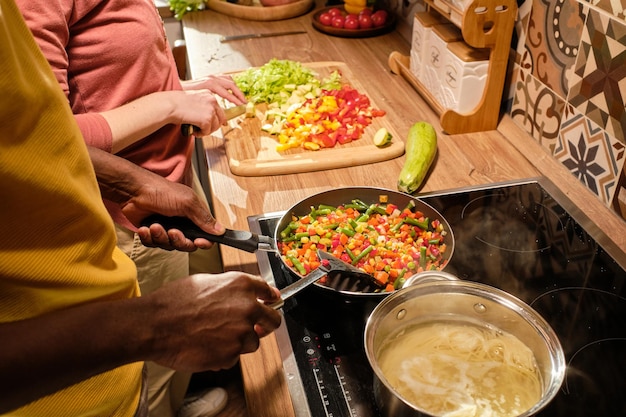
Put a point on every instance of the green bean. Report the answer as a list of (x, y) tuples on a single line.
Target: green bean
[(362, 255), (287, 230), (398, 283), (380, 209), (346, 231), (414, 222), (297, 264), (320, 212), (367, 213), (357, 204), (423, 256), (410, 205)]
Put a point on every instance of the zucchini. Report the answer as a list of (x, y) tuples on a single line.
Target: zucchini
[(421, 148), (382, 137)]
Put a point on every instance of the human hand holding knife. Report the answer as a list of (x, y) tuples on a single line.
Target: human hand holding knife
[(231, 112)]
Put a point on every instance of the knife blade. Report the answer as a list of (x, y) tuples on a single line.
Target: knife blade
[(259, 35), (231, 113)]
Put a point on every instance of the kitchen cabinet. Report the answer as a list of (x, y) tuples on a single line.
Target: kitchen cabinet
[(463, 159)]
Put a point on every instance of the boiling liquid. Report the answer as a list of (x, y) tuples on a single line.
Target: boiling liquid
[(460, 369)]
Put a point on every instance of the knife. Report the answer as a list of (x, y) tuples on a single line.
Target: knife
[(231, 113), (259, 35)]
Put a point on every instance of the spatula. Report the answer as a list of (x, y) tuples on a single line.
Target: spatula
[(342, 276), (330, 266)]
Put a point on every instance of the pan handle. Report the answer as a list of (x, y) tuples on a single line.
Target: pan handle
[(240, 239)]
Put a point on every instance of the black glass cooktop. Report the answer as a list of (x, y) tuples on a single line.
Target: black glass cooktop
[(525, 238)]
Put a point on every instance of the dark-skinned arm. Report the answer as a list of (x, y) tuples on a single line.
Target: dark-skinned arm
[(140, 193), (173, 326)]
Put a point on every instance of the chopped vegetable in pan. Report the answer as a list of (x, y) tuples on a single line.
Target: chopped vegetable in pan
[(386, 241)]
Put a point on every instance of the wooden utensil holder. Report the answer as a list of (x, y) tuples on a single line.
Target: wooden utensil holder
[(484, 24)]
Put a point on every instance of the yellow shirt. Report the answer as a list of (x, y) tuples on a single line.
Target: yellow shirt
[(57, 242)]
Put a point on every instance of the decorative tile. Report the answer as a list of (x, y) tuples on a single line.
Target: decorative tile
[(537, 110), (598, 87), (524, 7), (552, 41), (592, 156), (616, 8)]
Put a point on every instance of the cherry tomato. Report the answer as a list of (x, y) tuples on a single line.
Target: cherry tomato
[(379, 18), (351, 22), (365, 11), (326, 19), (335, 11), (365, 21), (338, 22)]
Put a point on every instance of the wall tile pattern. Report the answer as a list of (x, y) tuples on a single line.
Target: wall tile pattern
[(570, 88)]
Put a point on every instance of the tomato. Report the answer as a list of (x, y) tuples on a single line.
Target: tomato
[(365, 21), (326, 19), (338, 22), (365, 11), (351, 22), (335, 12), (379, 18)]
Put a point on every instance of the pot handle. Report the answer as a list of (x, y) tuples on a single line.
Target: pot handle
[(239, 239), (429, 276)]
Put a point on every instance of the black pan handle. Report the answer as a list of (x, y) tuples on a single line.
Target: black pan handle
[(240, 239)]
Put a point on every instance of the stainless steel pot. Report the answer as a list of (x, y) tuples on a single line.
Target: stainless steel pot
[(446, 298)]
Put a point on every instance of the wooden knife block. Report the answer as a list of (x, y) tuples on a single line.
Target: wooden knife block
[(484, 24)]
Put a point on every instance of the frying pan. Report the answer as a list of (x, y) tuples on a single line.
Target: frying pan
[(344, 284)]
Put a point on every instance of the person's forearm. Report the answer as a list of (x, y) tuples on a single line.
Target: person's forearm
[(139, 118), (42, 355), (118, 178)]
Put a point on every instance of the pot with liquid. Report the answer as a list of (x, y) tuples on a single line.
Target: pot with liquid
[(457, 348)]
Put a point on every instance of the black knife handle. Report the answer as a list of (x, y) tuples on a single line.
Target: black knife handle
[(239, 239), (188, 130)]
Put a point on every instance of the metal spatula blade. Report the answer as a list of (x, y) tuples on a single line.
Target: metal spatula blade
[(334, 268), (348, 278)]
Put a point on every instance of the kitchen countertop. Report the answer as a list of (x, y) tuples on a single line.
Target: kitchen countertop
[(463, 160)]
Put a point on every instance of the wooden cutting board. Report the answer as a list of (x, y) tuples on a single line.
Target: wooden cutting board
[(252, 152)]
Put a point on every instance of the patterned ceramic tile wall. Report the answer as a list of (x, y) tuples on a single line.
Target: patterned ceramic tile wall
[(569, 86)]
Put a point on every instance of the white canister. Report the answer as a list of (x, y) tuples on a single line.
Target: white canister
[(422, 26), (436, 52), (463, 77)]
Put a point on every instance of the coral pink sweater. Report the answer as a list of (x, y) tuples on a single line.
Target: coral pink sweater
[(105, 53)]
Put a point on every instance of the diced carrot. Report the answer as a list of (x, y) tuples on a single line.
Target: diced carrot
[(381, 276), (389, 287)]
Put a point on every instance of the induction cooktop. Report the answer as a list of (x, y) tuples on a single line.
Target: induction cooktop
[(523, 237)]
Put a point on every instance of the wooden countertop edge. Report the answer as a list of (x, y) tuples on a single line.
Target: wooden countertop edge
[(262, 373)]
